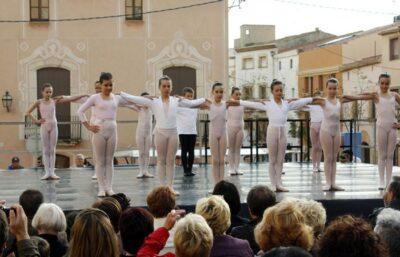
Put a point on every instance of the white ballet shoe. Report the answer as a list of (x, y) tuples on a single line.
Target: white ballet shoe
[(148, 175), (176, 193), (140, 175), (281, 189), (110, 192), (101, 193), (94, 177), (45, 177), (54, 177), (337, 188)]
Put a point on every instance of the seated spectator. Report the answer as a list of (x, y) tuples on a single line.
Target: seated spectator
[(135, 225), (388, 228), (217, 214), (93, 235), (80, 161), (259, 199), (31, 200), (232, 197), (161, 201), (70, 217), (113, 210), (287, 252), (49, 221), (283, 225), (123, 200), (3, 229), (15, 165), (347, 156), (42, 245), (193, 237), (391, 199), (350, 237)]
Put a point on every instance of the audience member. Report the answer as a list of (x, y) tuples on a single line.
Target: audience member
[(217, 214), (113, 210), (388, 228), (80, 161), (15, 164), (391, 199), (42, 245), (287, 252), (123, 200)]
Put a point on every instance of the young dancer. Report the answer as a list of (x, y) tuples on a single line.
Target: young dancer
[(277, 110), (316, 116), (187, 131), (143, 139), (385, 104), (165, 109), (235, 126), (48, 126), (104, 129)]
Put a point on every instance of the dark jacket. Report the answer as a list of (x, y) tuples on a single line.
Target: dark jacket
[(236, 221), (228, 246), (246, 232), (57, 249), (395, 204)]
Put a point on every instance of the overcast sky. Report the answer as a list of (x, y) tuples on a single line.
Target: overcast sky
[(291, 17)]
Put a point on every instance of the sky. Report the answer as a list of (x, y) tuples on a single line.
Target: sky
[(292, 17)]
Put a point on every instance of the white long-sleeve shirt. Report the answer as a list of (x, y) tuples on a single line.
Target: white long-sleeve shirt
[(316, 113), (164, 113), (277, 113), (187, 121), (102, 109)]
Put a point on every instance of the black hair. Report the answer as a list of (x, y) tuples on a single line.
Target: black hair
[(332, 80), (384, 76), (144, 93), (259, 199), (291, 251), (30, 200), (97, 82), (394, 188), (187, 90), (46, 85), (231, 195), (123, 200), (164, 77), (274, 83), (216, 84), (105, 76), (234, 89)]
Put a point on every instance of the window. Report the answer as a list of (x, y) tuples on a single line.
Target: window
[(280, 65), (291, 63), (133, 9), (262, 92), (248, 63), (39, 10), (321, 83), (394, 48), (262, 62), (309, 86), (247, 92), (247, 32)]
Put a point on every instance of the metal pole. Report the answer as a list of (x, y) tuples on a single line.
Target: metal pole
[(257, 139), (308, 140), (251, 141), (301, 141), (351, 139)]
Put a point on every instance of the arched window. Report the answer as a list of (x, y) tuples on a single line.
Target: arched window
[(182, 76)]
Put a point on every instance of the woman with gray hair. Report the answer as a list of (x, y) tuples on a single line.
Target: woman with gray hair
[(50, 223), (388, 228)]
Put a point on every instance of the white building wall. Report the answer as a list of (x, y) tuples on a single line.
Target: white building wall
[(287, 73)]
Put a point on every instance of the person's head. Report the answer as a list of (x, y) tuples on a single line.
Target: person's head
[(15, 162), (317, 94), (283, 225), (47, 91), (93, 235), (123, 200), (388, 228), (259, 199), (49, 219), (112, 208), (235, 93), (332, 86), (314, 214), (193, 237), (216, 212), (79, 160), (135, 225), (30, 200), (97, 87), (165, 85), (106, 81), (384, 82), (188, 93), (351, 237), (290, 251), (70, 217), (393, 191), (161, 201), (230, 194), (3, 230), (277, 89), (217, 91), (42, 245)]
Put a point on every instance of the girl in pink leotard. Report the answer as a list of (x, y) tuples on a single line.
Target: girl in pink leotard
[(48, 126)]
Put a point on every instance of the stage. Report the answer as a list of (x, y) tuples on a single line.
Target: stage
[(76, 190)]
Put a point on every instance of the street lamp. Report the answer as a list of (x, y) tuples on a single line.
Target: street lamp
[(7, 101)]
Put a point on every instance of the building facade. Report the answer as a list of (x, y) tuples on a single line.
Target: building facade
[(190, 45)]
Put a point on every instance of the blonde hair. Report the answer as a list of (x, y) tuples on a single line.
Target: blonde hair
[(283, 225), (49, 217), (216, 212), (193, 237)]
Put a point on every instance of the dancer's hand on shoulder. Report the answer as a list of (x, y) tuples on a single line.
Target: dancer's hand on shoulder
[(172, 217), (232, 102), (94, 128), (396, 125), (40, 122), (262, 101)]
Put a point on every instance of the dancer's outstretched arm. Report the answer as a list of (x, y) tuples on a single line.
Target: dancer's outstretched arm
[(69, 98), (140, 100)]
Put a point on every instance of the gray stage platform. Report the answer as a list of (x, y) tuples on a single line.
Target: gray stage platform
[(76, 190)]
